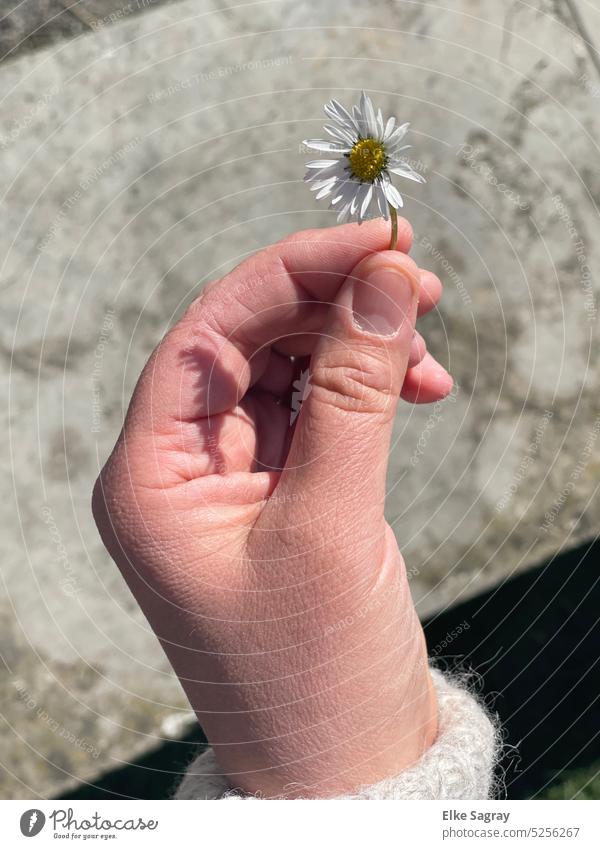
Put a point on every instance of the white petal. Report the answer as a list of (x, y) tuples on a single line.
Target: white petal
[(364, 192), (392, 195), (389, 127), (395, 154), (366, 200), (333, 114), (395, 146), (319, 180), (357, 199), (408, 174), (322, 163), (336, 173), (318, 189), (368, 112), (344, 194), (325, 191), (334, 108), (344, 214), (397, 135), (381, 201), (379, 124), (340, 134), (361, 120), (326, 146), (348, 189), (347, 192), (336, 170), (319, 184)]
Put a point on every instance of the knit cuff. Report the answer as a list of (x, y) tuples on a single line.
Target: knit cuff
[(459, 765)]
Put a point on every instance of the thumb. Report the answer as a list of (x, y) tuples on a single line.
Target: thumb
[(339, 453)]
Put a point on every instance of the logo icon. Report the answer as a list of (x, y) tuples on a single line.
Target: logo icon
[(32, 822), (302, 389)]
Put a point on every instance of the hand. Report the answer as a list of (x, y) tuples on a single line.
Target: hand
[(258, 548)]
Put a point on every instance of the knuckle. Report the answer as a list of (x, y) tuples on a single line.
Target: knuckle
[(361, 383)]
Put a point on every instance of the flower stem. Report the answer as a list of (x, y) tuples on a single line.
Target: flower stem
[(394, 217)]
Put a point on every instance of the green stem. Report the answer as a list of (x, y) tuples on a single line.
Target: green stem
[(394, 217)]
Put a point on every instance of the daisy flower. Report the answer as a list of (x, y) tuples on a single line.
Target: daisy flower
[(365, 153)]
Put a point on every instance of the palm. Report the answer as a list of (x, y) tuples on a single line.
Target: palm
[(252, 436)]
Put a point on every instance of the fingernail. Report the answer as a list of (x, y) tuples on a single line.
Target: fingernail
[(383, 301)]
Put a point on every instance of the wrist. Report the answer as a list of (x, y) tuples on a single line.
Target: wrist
[(458, 765), (364, 711)]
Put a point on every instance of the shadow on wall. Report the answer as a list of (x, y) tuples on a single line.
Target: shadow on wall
[(533, 642)]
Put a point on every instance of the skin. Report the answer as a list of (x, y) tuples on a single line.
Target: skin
[(257, 549)]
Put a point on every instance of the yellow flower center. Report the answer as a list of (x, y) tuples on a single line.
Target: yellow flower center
[(367, 159)]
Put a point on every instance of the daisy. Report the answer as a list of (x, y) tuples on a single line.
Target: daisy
[(367, 151)]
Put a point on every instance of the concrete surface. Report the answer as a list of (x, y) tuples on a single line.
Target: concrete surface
[(147, 157), (30, 25)]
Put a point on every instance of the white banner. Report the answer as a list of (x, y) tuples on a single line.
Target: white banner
[(232, 824)]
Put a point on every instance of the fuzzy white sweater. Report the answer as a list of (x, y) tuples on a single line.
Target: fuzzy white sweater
[(459, 765)]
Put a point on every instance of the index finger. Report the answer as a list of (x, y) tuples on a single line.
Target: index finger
[(205, 363)]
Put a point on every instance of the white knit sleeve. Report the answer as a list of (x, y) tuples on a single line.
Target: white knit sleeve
[(459, 765)]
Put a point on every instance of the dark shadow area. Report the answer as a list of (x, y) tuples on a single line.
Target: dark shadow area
[(35, 25), (533, 642), (153, 777)]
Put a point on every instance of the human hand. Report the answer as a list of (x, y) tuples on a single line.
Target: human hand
[(257, 548)]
